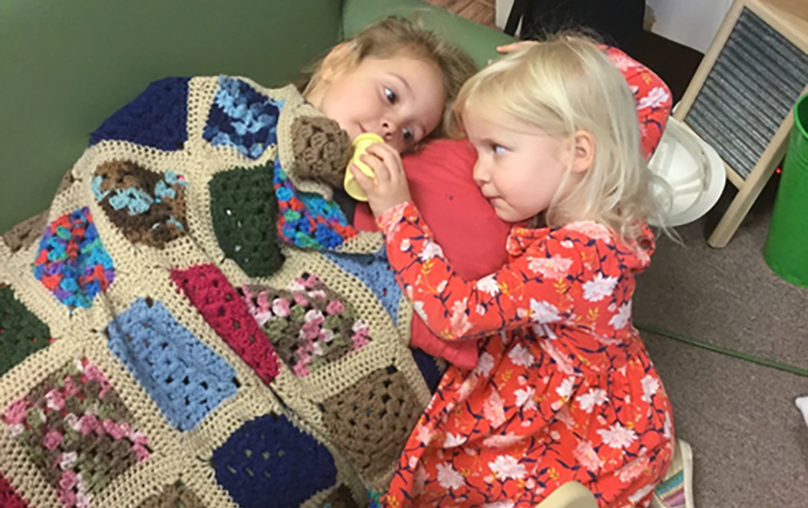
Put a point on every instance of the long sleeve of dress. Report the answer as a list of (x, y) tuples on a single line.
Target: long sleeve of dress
[(538, 287)]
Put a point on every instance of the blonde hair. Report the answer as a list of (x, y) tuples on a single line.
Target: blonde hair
[(395, 36), (562, 86)]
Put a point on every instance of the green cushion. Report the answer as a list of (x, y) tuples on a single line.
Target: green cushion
[(478, 40), (67, 65)]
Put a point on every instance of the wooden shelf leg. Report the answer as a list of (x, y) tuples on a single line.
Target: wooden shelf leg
[(737, 210)]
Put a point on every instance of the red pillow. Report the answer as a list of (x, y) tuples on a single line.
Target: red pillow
[(464, 225)]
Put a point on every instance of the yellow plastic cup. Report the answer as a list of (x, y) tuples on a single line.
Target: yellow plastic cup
[(360, 146)]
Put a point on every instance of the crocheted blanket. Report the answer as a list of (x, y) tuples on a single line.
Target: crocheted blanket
[(194, 323)]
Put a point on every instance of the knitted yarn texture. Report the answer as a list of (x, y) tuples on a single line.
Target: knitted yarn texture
[(194, 322)]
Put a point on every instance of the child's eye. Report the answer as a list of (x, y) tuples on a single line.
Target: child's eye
[(391, 95), (498, 149), (408, 135)]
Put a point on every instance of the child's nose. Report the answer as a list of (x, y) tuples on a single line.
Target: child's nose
[(481, 174), (389, 129)]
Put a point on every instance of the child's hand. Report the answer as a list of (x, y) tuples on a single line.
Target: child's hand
[(514, 46), (389, 188)]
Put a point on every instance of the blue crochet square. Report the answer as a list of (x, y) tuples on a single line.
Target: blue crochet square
[(269, 463), (375, 272), (183, 376), (72, 262), (242, 118), (157, 117), (429, 368)]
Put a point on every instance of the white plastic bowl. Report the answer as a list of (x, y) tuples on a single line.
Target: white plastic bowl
[(693, 170)]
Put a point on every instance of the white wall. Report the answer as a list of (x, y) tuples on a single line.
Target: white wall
[(689, 22), (503, 8)]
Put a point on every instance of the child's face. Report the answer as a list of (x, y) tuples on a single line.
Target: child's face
[(519, 168), (400, 99)]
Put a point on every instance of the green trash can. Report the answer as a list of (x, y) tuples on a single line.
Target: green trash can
[(786, 249)]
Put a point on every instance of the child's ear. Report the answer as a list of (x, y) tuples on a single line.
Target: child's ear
[(334, 61), (583, 154)]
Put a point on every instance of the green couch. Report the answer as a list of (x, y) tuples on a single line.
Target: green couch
[(66, 66)]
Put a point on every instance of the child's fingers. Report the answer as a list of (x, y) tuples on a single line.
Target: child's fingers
[(507, 48), (381, 173), (362, 179), (391, 159), (380, 148)]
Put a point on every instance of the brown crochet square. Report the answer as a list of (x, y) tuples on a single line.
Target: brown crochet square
[(161, 217), (322, 150), (372, 419), (24, 234), (173, 496), (341, 498)]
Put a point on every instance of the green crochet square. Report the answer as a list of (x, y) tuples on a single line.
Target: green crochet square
[(21, 332), (244, 211)]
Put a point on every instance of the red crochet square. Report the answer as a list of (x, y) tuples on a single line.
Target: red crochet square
[(210, 292), (8, 496)]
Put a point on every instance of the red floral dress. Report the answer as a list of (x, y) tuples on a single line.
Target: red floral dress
[(564, 389), (652, 95)]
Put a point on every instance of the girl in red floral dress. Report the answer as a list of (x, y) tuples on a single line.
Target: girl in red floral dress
[(564, 389)]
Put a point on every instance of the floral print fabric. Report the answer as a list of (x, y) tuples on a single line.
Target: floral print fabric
[(652, 95), (564, 389)]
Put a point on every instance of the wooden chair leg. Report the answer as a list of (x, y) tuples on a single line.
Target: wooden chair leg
[(732, 218)]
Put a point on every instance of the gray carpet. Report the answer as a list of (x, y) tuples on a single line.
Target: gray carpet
[(749, 440)]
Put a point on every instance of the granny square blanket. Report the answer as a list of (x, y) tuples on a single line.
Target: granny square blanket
[(194, 323)]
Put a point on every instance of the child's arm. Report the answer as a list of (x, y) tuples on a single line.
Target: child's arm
[(535, 288)]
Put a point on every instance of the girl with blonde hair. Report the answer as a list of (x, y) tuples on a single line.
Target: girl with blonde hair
[(564, 389)]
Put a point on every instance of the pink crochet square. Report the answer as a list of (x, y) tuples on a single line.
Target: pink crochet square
[(77, 432)]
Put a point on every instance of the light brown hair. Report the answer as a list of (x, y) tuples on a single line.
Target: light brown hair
[(396, 36)]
